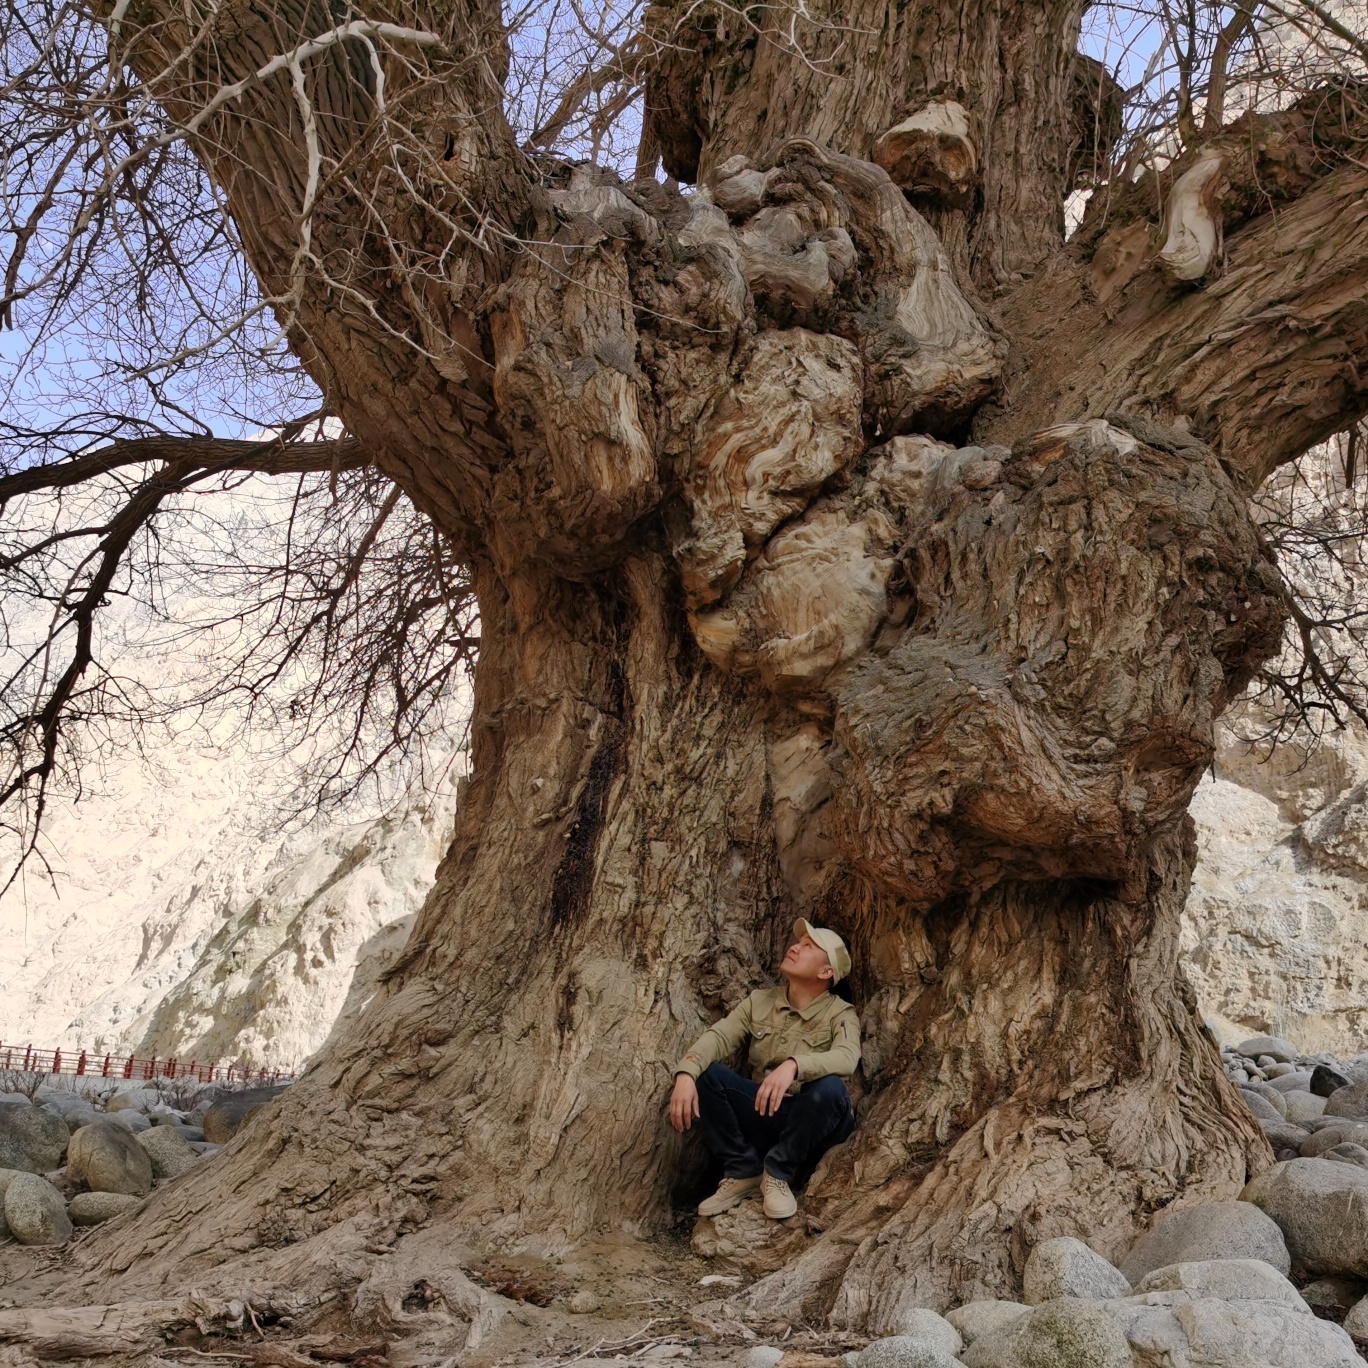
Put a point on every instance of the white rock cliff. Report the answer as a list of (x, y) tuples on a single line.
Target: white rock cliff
[(173, 927), (176, 929)]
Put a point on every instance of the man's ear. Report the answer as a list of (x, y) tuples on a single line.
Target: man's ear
[(826, 972)]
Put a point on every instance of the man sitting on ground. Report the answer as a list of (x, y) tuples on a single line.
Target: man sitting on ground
[(772, 1128)]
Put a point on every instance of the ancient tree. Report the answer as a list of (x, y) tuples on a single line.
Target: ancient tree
[(847, 543)]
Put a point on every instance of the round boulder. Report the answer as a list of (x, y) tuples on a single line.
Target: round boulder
[(904, 1351), (920, 1327), (108, 1158), (134, 1122), (1053, 1335), (976, 1319), (1334, 1296), (222, 1120), (1217, 1230), (1347, 1153), (1322, 1210), (762, 1356), (133, 1099), (1260, 1107), (1326, 1137), (35, 1212), (5, 1176), (169, 1151), (32, 1139), (1296, 1081), (1283, 1051), (90, 1208), (1326, 1082), (1350, 1101), (1269, 1094), (1066, 1267), (1303, 1106)]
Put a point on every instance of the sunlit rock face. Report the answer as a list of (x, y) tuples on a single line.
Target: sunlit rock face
[(1276, 925), (176, 929), (172, 926)]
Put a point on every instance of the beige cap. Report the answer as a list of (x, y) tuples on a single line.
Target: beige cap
[(831, 943)]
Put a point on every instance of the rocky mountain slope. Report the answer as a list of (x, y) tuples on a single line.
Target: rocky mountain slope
[(176, 928), (1276, 925), (174, 925)]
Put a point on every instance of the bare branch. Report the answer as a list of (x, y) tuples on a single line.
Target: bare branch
[(188, 454)]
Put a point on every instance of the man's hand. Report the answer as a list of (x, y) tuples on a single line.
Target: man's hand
[(683, 1102), (775, 1087)]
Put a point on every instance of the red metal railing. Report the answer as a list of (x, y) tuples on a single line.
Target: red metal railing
[(30, 1060)]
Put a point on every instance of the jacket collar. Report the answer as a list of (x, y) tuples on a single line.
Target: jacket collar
[(813, 1007)]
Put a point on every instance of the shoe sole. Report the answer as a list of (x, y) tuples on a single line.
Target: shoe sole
[(781, 1215)]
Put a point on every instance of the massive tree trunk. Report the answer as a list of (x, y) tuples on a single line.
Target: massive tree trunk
[(808, 585)]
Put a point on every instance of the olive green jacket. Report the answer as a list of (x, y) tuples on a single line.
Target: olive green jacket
[(824, 1037)]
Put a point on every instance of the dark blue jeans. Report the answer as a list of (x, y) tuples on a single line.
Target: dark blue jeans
[(787, 1144)]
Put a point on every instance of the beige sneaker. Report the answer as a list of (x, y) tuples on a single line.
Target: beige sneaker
[(729, 1193), (780, 1203)]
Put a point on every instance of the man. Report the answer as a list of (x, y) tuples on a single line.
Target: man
[(771, 1128)]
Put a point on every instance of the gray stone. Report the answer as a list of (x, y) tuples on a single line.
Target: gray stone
[(1260, 1107), (926, 1328), (133, 1099), (1303, 1106), (1279, 1071), (1350, 1101), (1066, 1267), (1321, 1122), (222, 1120), (585, 1302), (762, 1356), (1284, 1135), (1334, 1295), (1270, 1094), (905, 1351), (1347, 1153), (1223, 1279), (1266, 1062), (189, 1132), (76, 1117), (10, 1099), (204, 1147), (1322, 1210), (1284, 1051), (35, 1212), (1056, 1334), (1346, 1132), (32, 1139), (1356, 1321), (133, 1122), (90, 1208), (976, 1319), (1296, 1081), (1218, 1230), (1216, 1333), (107, 1158), (170, 1152), (5, 1176)]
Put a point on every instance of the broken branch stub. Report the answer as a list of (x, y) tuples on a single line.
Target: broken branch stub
[(1193, 220), (930, 155)]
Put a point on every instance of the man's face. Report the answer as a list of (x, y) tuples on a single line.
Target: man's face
[(806, 960)]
